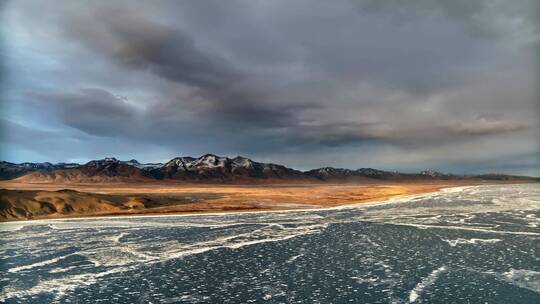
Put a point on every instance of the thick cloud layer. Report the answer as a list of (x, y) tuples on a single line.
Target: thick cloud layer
[(451, 85)]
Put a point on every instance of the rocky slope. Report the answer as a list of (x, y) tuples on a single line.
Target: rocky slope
[(30, 204), (34, 204)]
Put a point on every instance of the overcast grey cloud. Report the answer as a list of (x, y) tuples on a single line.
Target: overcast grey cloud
[(450, 85), (93, 111)]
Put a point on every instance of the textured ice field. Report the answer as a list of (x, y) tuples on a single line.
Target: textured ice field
[(461, 245)]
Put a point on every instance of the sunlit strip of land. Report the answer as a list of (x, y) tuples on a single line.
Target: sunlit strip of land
[(20, 201)]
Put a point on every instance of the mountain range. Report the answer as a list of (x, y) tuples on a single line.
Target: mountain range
[(211, 168)]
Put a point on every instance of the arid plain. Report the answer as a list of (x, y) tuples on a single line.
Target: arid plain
[(55, 200)]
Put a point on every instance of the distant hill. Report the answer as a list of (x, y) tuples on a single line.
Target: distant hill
[(211, 168), (340, 174), (103, 170), (10, 170)]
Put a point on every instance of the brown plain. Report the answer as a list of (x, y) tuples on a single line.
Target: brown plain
[(51, 200)]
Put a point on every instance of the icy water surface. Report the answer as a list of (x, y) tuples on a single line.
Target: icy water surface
[(467, 245)]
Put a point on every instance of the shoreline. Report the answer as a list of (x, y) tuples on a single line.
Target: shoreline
[(277, 207)]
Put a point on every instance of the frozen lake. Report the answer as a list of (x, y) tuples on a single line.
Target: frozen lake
[(462, 245)]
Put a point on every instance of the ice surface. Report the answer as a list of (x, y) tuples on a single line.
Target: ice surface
[(469, 244)]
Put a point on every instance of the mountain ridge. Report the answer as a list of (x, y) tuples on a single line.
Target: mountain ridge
[(211, 168)]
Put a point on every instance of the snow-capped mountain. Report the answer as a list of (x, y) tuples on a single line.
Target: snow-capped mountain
[(216, 168), (147, 166), (433, 173), (110, 167)]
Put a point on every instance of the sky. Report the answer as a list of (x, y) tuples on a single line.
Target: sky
[(398, 85)]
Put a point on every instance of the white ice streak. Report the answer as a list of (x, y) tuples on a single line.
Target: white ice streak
[(11, 226), (533, 220), (523, 278), (39, 264), (258, 236), (466, 229), (425, 283), (293, 258), (460, 241)]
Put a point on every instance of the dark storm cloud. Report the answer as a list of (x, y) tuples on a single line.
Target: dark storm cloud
[(93, 111), (411, 82), (338, 134), (220, 92), (130, 38)]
